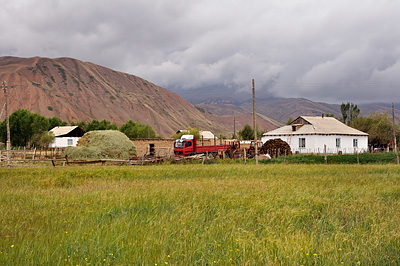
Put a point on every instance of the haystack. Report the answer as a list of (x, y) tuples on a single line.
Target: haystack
[(102, 144)]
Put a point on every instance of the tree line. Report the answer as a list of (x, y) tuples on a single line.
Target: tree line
[(379, 126), (28, 128)]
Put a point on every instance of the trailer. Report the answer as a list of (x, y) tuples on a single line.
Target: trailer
[(187, 146)]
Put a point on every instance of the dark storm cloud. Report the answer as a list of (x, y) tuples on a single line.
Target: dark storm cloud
[(322, 50)]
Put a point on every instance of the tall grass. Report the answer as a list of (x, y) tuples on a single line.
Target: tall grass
[(201, 215)]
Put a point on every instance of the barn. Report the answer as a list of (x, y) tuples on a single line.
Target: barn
[(307, 134), (66, 136)]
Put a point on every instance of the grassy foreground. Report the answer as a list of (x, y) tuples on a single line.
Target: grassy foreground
[(201, 215)]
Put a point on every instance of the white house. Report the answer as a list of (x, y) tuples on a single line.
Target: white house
[(307, 134), (66, 136)]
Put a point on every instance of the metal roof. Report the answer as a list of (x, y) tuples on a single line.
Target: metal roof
[(310, 125), (60, 131)]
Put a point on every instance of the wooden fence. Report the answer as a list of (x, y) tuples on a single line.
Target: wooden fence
[(35, 154)]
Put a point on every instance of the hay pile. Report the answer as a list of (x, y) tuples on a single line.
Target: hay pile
[(102, 144)]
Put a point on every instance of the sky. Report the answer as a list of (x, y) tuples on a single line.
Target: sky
[(330, 51)]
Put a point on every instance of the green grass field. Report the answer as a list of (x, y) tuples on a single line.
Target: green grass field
[(201, 215)]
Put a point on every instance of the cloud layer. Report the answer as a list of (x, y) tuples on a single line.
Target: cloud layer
[(330, 51)]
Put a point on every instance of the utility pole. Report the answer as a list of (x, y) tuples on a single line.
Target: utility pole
[(254, 123), (8, 143), (394, 136), (234, 127)]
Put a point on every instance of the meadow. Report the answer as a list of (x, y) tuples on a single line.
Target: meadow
[(278, 214)]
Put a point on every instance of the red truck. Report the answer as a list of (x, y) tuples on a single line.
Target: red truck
[(186, 146)]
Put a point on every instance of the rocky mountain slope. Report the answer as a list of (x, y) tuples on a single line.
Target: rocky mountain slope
[(74, 91), (276, 109), (281, 109)]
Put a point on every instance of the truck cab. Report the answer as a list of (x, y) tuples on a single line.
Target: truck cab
[(185, 146)]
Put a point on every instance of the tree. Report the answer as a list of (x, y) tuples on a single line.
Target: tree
[(189, 131), (106, 125), (349, 112), (54, 122), (354, 112), (290, 120), (23, 126), (247, 133), (344, 109), (20, 128), (260, 133), (39, 123), (43, 139), (379, 126), (93, 125), (97, 125), (135, 130), (82, 125)]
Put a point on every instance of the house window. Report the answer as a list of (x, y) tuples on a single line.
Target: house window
[(302, 142), (355, 143), (69, 142), (337, 142)]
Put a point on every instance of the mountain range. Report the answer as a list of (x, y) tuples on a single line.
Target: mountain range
[(282, 109), (74, 90)]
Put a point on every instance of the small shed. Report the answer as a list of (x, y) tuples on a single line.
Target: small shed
[(207, 135), (66, 136), (154, 147), (308, 134)]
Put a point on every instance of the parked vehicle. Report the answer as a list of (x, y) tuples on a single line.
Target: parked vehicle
[(187, 146)]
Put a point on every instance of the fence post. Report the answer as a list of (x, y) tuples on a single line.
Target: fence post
[(325, 157)]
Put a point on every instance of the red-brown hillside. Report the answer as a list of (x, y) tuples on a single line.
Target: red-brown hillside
[(74, 91)]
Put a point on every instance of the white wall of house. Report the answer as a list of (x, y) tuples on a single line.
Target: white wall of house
[(315, 143), (62, 142)]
